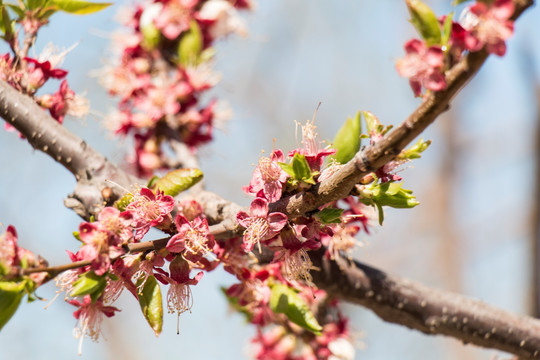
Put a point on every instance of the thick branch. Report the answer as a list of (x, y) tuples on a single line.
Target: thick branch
[(89, 167), (431, 311)]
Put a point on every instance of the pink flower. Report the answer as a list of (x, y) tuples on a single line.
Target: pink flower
[(191, 209), (89, 317), (196, 125), (179, 297), (292, 253), (149, 210), (12, 256), (268, 177), (64, 102), (117, 224), (222, 17), (8, 248), (39, 73), (259, 224), (489, 26), (158, 101), (174, 17), (423, 66), (97, 247), (193, 238), (311, 150)]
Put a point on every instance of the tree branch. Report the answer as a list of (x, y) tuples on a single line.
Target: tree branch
[(392, 298), (431, 311), (373, 157), (89, 167)]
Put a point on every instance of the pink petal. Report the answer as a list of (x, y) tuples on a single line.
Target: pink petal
[(414, 46), (259, 208), (503, 9), (176, 244), (435, 82)]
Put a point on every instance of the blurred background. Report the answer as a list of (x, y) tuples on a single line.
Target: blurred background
[(473, 233)]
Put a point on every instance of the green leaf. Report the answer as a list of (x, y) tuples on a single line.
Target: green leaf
[(7, 25), (77, 235), (374, 127), (347, 140), (329, 215), (414, 151), (284, 300), (151, 36), (447, 29), (457, 2), (17, 10), (301, 169), (123, 202), (176, 181), (151, 303), (34, 4), (79, 7), (207, 54), (11, 294), (425, 21), (287, 168), (190, 46), (387, 194), (89, 284), (152, 181)]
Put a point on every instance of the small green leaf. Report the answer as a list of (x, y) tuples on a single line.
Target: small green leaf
[(329, 215), (17, 10), (425, 21), (176, 181), (207, 54), (34, 4), (415, 151), (11, 294), (79, 7), (77, 235), (347, 140), (301, 169), (190, 46), (122, 203), (89, 284), (151, 303), (387, 194), (374, 127), (7, 25), (447, 29), (287, 168), (151, 36), (284, 300), (457, 2), (152, 181)]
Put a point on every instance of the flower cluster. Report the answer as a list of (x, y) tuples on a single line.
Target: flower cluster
[(164, 68), (27, 74), (483, 25), (333, 225), (14, 258), (105, 244)]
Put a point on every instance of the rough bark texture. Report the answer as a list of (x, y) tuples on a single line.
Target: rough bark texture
[(431, 311)]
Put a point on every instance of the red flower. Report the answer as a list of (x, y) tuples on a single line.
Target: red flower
[(423, 66), (259, 224), (489, 26)]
